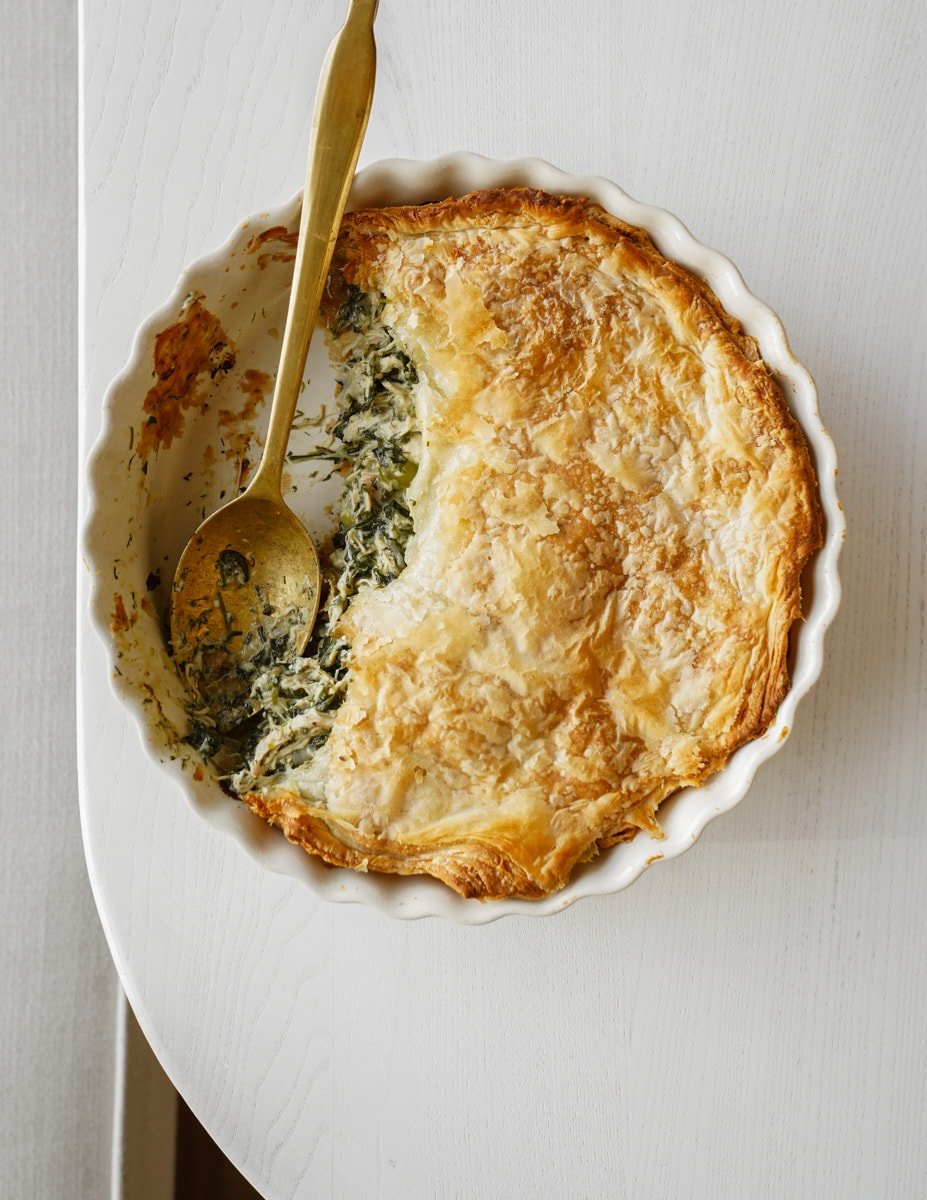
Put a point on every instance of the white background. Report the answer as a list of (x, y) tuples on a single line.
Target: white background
[(748, 1020), (58, 990)]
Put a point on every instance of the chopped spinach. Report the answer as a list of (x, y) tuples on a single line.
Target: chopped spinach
[(287, 712), (233, 568), (355, 312)]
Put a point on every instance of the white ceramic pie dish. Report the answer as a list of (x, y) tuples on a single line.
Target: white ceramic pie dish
[(140, 520)]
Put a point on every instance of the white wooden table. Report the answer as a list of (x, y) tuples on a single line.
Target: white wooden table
[(748, 1020)]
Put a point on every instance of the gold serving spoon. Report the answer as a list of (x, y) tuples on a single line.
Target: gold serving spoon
[(250, 576)]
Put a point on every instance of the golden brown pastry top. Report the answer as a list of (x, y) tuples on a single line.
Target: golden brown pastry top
[(612, 512)]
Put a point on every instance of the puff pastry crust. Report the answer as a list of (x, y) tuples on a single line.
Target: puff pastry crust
[(612, 513)]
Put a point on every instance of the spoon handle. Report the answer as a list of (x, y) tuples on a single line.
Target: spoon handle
[(342, 106)]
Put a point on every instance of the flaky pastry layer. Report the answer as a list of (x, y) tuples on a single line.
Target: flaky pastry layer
[(612, 513)]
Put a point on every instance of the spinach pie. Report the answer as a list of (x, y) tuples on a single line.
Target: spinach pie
[(575, 514)]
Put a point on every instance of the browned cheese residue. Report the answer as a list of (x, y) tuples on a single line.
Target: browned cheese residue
[(255, 385), (276, 234), (120, 620), (186, 354), (238, 424)]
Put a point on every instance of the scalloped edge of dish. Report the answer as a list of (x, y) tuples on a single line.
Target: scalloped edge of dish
[(688, 812)]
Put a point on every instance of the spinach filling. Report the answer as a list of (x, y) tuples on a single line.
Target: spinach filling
[(375, 443)]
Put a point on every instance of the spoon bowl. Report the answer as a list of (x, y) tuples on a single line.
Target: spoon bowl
[(248, 581)]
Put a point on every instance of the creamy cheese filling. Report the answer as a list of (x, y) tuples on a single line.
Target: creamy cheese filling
[(375, 442)]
